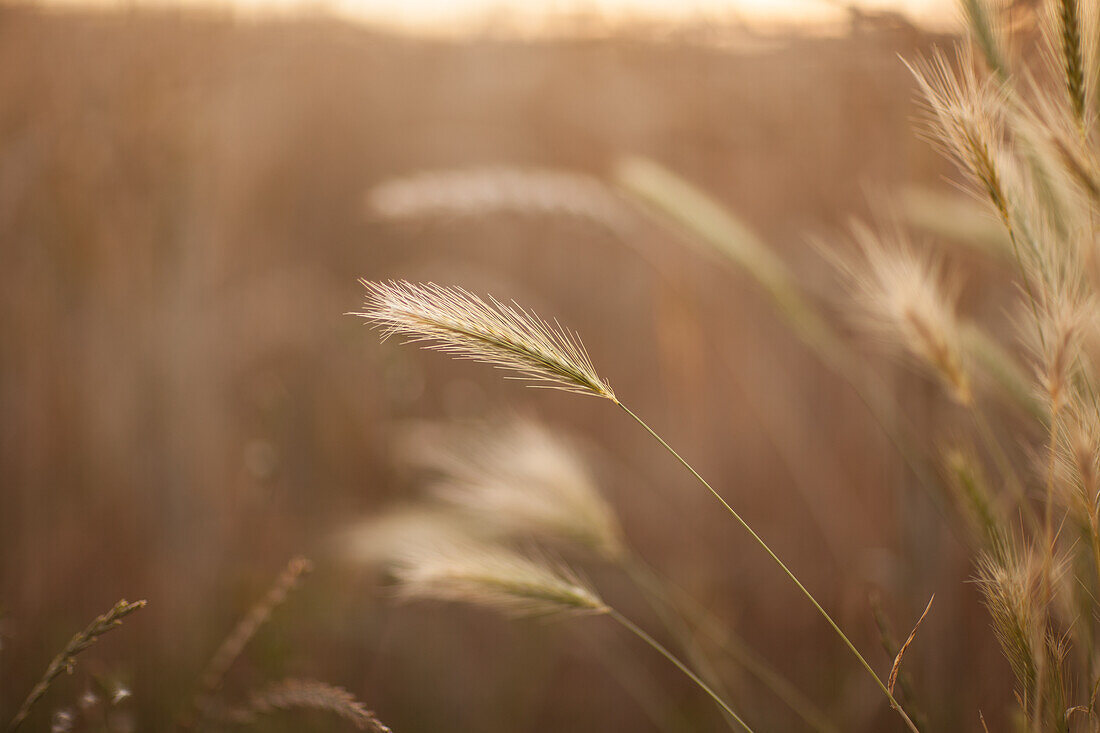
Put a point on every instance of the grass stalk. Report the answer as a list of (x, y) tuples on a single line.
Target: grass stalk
[(664, 652), (689, 611), (760, 541)]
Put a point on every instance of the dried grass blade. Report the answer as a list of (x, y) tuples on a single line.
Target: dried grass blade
[(893, 678)]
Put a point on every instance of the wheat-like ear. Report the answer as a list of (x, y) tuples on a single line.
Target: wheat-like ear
[(964, 121), (494, 577), (1010, 583), (507, 336), (1072, 56)]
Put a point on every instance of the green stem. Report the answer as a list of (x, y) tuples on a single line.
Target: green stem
[(660, 649), (759, 540)]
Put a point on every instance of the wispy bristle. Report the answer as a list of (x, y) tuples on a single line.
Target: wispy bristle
[(904, 300), (964, 121), (460, 323), (494, 577), (518, 476)]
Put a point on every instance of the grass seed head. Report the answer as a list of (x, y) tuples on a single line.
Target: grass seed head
[(494, 577), (507, 336)]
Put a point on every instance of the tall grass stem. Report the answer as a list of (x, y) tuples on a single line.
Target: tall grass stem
[(760, 541)]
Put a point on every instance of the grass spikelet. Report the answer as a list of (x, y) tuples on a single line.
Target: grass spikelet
[(66, 658), (234, 644), (1063, 325), (1073, 65), (522, 478), (903, 299), (1011, 588), (964, 122), (455, 321), (494, 577), (299, 694), (482, 191)]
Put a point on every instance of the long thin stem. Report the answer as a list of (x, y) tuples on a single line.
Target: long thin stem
[(847, 642), (655, 588), (660, 649), (653, 591)]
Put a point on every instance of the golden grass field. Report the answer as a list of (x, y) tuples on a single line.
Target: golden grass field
[(184, 405)]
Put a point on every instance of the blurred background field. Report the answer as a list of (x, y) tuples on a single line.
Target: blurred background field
[(184, 406)]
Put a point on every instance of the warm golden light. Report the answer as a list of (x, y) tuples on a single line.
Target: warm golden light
[(449, 16)]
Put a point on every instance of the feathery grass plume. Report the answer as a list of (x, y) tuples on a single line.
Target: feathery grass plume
[(66, 659), (1081, 452), (233, 645), (457, 322), (1012, 588), (494, 577), (481, 191), (967, 482), (305, 694), (965, 121), (520, 477), (380, 540), (1064, 321), (904, 299), (987, 34)]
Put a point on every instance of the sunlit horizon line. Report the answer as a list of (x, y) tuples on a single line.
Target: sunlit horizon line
[(455, 17)]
